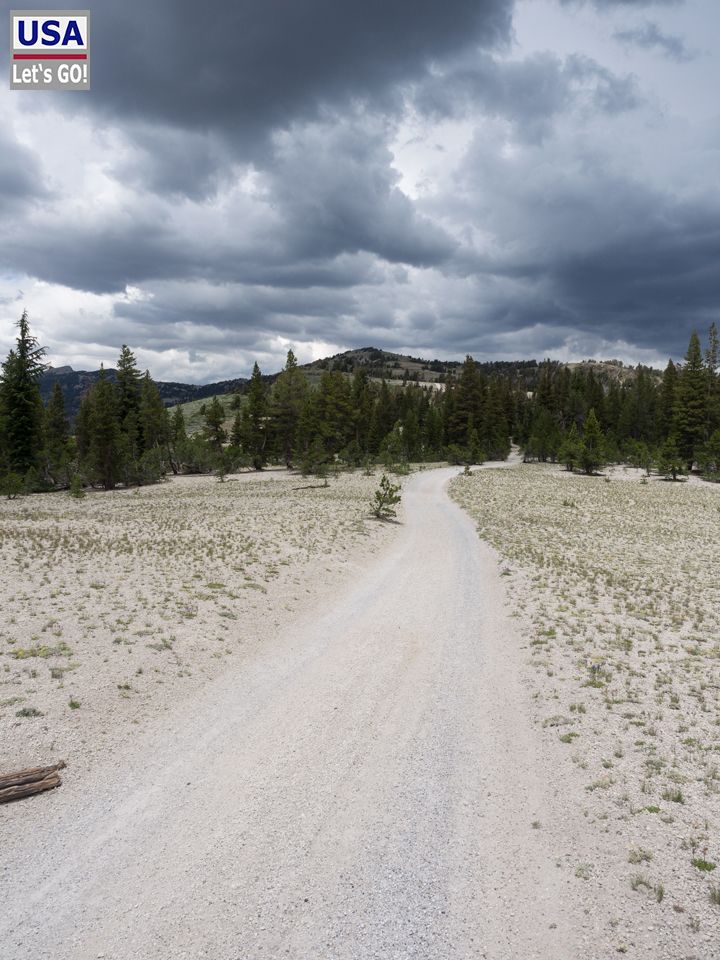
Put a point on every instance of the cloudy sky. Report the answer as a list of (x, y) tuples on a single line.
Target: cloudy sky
[(510, 179)]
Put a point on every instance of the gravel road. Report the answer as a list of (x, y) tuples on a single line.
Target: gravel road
[(364, 787)]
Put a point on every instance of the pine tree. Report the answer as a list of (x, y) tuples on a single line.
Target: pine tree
[(236, 433), (592, 448), (712, 367), (20, 401), (254, 420), (105, 459), (362, 406), (178, 430), (215, 424), (668, 400), (691, 403), (382, 420), (335, 411), (314, 460), (497, 442), (387, 496), (570, 449), (671, 462), (178, 438), (469, 403), (56, 453), (128, 379), (153, 416), (288, 396), (544, 437), (709, 456)]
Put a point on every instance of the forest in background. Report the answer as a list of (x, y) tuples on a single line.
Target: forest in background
[(124, 434)]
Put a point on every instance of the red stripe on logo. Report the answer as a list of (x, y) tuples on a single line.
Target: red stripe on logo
[(49, 56)]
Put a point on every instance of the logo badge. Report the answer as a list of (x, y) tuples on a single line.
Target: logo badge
[(50, 50)]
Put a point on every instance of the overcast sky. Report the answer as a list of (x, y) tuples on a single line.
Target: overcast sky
[(527, 179)]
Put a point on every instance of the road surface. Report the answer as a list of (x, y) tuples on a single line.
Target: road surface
[(363, 788)]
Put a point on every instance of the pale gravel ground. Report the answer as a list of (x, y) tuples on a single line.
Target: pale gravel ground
[(362, 784), (134, 599), (615, 586)]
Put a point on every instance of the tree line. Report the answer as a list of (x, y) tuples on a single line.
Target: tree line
[(670, 423), (123, 433)]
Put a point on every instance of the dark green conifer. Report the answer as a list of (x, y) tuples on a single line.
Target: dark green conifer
[(691, 403), (215, 432), (56, 453), (288, 396), (255, 420), (22, 409), (592, 448)]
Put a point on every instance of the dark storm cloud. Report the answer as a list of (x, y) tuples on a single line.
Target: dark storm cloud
[(628, 4), (346, 173), (656, 283), (245, 68), (530, 92), (580, 247), (650, 37), (337, 192), (167, 160), (21, 177), (649, 287), (328, 194), (99, 257)]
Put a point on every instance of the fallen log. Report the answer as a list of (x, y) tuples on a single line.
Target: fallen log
[(28, 775), (25, 783), (29, 789)]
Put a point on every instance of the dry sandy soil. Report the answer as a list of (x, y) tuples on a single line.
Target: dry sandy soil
[(616, 587), (304, 734), (120, 605)]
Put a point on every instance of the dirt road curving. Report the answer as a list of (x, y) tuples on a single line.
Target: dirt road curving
[(363, 788)]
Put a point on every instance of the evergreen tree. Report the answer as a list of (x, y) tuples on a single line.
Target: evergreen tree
[(671, 462), (544, 437), (592, 455), (178, 430), (128, 379), (709, 456), (363, 401), (383, 419), (236, 433), (335, 411), (153, 415), (691, 404), (497, 442), (22, 409), (432, 432), (215, 424), (105, 458), (56, 453), (668, 400), (386, 498), (178, 438), (712, 367), (254, 420), (469, 403), (314, 460), (570, 449), (286, 405)]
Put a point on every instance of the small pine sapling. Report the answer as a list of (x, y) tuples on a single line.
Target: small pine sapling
[(386, 496)]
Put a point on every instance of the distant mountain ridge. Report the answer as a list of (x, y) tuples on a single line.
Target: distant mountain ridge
[(379, 364), (75, 384)]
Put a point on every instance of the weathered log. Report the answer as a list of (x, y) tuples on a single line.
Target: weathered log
[(31, 774), (29, 789)]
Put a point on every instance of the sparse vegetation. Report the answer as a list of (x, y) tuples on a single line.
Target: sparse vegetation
[(615, 595), (386, 498)]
